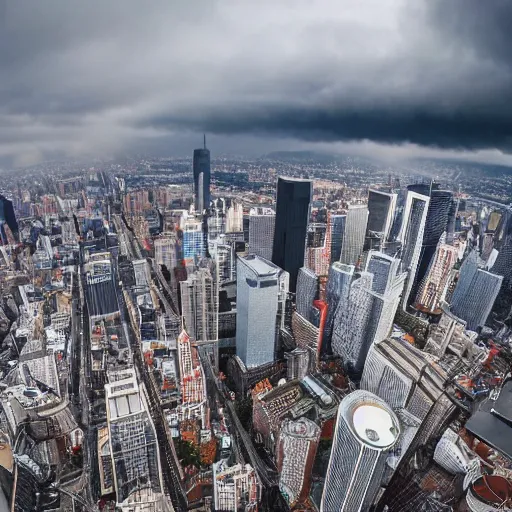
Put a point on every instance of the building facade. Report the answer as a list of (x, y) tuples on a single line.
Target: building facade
[(353, 237), (292, 216), (262, 288), (201, 168), (261, 231)]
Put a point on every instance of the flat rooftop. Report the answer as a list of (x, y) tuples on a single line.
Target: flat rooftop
[(260, 266)]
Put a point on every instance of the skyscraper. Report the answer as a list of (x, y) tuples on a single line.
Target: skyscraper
[(475, 293), (381, 208), (199, 305), (193, 240), (366, 429), (261, 231), (414, 216), (440, 211), (7, 217), (353, 238), (292, 215), (307, 292), (234, 218), (433, 287), (366, 317), (337, 232), (318, 248), (261, 289), (201, 178)]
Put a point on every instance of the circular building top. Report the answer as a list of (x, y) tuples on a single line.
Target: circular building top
[(375, 426)]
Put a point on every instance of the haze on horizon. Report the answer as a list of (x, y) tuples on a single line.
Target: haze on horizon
[(390, 79)]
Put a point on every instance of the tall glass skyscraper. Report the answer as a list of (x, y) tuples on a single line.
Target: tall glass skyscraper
[(336, 295), (307, 292), (201, 167), (337, 232), (261, 290), (414, 216), (353, 238), (292, 216), (381, 208), (475, 293), (366, 430)]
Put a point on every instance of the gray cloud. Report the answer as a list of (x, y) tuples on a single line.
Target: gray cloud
[(101, 77)]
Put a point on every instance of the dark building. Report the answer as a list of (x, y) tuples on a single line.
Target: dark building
[(441, 211), (7, 217), (381, 211), (202, 178), (337, 232), (292, 215), (503, 264)]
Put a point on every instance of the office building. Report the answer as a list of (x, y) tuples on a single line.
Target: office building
[(200, 305), (414, 216), (234, 218), (307, 292), (193, 246), (403, 376), (318, 248), (165, 251), (432, 289), (336, 295), (137, 471), (381, 211), (475, 293), (297, 363), (440, 211), (261, 293), (337, 232), (366, 430), (353, 237), (261, 231), (7, 218), (295, 454), (367, 315), (201, 168), (292, 216)]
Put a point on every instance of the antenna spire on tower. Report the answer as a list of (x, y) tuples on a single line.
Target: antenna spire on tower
[(204, 136)]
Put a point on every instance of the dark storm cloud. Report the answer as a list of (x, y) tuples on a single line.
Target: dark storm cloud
[(96, 77)]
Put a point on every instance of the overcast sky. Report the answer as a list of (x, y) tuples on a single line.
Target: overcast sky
[(391, 78)]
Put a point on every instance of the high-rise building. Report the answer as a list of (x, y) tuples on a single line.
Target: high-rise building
[(165, 251), (336, 295), (381, 208), (201, 178), (440, 211), (366, 317), (353, 238), (295, 454), (134, 448), (318, 248), (261, 231), (261, 293), (234, 218), (307, 292), (366, 429), (292, 215), (7, 217), (193, 240), (199, 305), (337, 232), (414, 216), (433, 287), (402, 375), (475, 293)]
